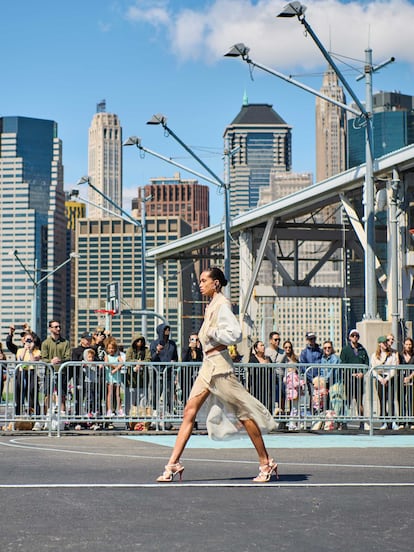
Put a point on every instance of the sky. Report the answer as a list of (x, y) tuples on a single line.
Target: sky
[(60, 58)]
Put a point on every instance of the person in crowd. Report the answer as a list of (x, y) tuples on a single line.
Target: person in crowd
[(194, 352), (273, 349), (294, 387), (3, 371), (77, 373), (383, 363), (354, 353), (261, 379), (277, 355), (98, 343), (291, 357), (219, 330), (12, 347), (55, 351), (329, 358), (164, 349), (139, 388), (26, 386), (237, 358), (114, 363), (407, 357), (311, 355), (90, 371)]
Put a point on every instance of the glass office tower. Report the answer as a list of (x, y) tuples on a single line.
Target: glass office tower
[(32, 223)]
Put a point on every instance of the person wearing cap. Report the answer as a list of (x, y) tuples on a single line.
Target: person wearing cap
[(77, 355), (354, 353), (383, 363), (311, 354)]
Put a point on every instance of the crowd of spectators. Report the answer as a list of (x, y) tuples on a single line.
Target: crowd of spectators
[(105, 382)]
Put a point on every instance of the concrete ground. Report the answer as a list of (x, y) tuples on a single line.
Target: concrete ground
[(97, 492)]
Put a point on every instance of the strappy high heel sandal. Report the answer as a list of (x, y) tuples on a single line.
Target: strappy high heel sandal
[(170, 471), (266, 471)]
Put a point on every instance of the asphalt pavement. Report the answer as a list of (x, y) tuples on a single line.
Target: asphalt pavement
[(97, 492)]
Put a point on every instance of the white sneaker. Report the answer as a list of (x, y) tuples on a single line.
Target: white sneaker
[(109, 414), (367, 426), (37, 427), (395, 426), (384, 426), (292, 427)]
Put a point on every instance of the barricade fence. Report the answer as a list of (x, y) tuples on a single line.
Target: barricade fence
[(144, 396)]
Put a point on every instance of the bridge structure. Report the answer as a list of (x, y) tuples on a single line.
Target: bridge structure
[(260, 232)]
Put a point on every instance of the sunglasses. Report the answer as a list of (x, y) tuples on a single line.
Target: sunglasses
[(29, 341)]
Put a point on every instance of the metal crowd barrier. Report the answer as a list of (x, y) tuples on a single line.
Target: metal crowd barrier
[(146, 396)]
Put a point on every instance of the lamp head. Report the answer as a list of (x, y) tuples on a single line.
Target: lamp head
[(293, 9), (74, 255), (132, 141), (12, 253), (74, 194), (238, 50), (158, 119), (83, 180)]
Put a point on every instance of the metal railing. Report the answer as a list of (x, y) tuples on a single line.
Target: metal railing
[(152, 395)]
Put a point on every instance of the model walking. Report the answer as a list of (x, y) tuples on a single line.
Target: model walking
[(220, 329)]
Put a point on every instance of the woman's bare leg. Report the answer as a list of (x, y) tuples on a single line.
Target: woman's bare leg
[(190, 412), (256, 437)]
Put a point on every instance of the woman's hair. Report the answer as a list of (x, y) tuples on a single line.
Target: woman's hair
[(217, 274), (379, 351), (111, 341), (255, 344), (330, 343), (410, 340), (293, 357)]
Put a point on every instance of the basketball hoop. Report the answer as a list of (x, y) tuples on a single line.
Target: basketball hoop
[(105, 311), (101, 315)]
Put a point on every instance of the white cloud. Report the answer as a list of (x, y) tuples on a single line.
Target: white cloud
[(154, 12), (207, 30)]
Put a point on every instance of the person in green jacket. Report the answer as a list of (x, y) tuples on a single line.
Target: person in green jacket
[(55, 351), (137, 376)]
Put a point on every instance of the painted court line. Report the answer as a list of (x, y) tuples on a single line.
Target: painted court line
[(297, 441), (192, 485)]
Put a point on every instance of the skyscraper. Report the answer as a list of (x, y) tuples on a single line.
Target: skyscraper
[(393, 127), (187, 200), (264, 144), (176, 196), (32, 222), (330, 129), (105, 161)]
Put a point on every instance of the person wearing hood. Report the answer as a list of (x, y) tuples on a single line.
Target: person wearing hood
[(164, 350), (137, 376), (167, 352)]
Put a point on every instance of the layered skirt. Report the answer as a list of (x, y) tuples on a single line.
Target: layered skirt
[(229, 403)]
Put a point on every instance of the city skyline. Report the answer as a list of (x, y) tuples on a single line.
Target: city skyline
[(142, 59)]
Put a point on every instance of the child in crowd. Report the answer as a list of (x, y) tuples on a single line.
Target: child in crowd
[(90, 370), (114, 362), (294, 386)]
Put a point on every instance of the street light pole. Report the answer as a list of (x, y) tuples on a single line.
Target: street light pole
[(296, 9), (36, 285), (160, 119), (124, 215), (136, 141)]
